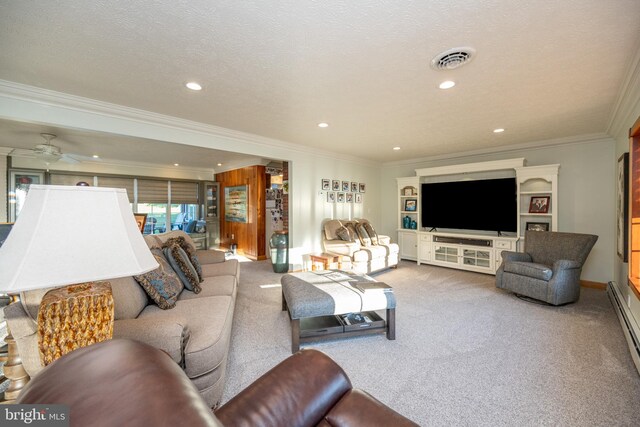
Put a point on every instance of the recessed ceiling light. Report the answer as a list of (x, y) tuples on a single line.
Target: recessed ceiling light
[(323, 125), (95, 156), (499, 130), (396, 148), (176, 164), (193, 86), (219, 164), (447, 84)]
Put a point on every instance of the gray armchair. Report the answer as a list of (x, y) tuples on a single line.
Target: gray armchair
[(549, 268)]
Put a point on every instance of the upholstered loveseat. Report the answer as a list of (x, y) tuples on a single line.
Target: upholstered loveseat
[(356, 252), (195, 333)]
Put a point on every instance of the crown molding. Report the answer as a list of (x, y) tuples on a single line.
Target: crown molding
[(4, 151), (534, 145), (628, 100), (50, 98)]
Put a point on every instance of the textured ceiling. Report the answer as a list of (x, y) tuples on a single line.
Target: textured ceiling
[(543, 70)]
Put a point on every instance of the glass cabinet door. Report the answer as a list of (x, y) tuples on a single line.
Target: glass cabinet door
[(211, 199)]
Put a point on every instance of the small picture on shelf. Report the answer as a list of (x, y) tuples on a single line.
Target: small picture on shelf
[(410, 205), (335, 185), (408, 191), (537, 226), (326, 184), (539, 204)]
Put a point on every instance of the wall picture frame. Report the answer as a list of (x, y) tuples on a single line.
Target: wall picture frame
[(331, 197), (363, 187), (349, 198), (410, 205), (345, 186), (141, 220), (235, 203), (354, 187), (539, 204), (335, 185), (622, 208), (537, 226), (358, 198), (326, 185), (340, 198)]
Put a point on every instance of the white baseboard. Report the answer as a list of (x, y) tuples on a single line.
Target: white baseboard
[(629, 326)]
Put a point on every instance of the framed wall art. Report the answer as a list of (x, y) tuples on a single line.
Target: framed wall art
[(622, 207), (326, 185), (335, 185), (235, 203)]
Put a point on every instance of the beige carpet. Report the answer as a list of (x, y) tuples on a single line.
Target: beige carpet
[(466, 353)]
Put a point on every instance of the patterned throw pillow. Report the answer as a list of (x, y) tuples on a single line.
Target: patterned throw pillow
[(362, 235), (352, 230), (161, 284), (191, 253), (180, 263), (372, 233), (344, 234)]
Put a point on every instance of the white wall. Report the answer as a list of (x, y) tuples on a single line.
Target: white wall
[(307, 167), (586, 177)]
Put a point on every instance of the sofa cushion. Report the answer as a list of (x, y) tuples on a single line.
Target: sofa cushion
[(213, 286), (182, 266), (129, 298), (371, 252), (365, 240), (189, 249), (345, 234), (209, 322), (161, 284), (330, 228), (529, 269), (371, 232)]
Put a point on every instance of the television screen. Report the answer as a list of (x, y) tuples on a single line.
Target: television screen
[(486, 205)]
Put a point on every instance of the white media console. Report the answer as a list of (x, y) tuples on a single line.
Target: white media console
[(481, 251)]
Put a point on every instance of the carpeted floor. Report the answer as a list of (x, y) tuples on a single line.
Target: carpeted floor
[(465, 354)]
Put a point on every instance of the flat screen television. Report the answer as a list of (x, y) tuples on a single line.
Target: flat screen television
[(483, 205)]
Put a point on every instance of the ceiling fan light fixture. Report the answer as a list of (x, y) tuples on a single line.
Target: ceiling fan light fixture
[(193, 86), (447, 84)]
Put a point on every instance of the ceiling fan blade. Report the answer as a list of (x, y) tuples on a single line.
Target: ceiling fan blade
[(69, 159)]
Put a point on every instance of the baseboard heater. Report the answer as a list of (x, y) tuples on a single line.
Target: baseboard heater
[(632, 338)]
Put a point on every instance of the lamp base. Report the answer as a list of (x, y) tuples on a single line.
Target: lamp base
[(72, 317)]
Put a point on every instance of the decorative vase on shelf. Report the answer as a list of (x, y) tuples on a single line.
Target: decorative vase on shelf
[(414, 225), (406, 222)]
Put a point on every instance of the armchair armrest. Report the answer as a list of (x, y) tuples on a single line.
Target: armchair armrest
[(210, 256), (384, 240), (280, 398), (516, 256), (168, 334), (566, 264)]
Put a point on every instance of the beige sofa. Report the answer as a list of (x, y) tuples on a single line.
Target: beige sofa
[(353, 254), (195, 333)]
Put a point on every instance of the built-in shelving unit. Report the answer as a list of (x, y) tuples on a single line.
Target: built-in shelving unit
[(479, 252), (408, 198)]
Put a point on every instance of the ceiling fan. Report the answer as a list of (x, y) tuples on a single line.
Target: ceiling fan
[(48, 152)]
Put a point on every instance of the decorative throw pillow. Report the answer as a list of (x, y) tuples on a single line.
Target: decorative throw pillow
[(372, 233), (161, 284), (191, 253), (344, 234), (362, 235), (352, 230), (180, 263)]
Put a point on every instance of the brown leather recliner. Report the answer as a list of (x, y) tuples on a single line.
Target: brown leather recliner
[(127, 383)]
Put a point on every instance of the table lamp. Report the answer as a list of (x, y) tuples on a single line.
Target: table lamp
[(78, 236)]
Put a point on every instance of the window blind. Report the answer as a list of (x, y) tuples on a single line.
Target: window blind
[(151, 191), (64, 179), (115, 182), (184, 192)]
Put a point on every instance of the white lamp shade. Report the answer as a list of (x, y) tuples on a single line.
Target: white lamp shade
[(68, 235)]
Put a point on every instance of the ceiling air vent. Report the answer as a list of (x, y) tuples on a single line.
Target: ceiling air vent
[(453, 58)]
